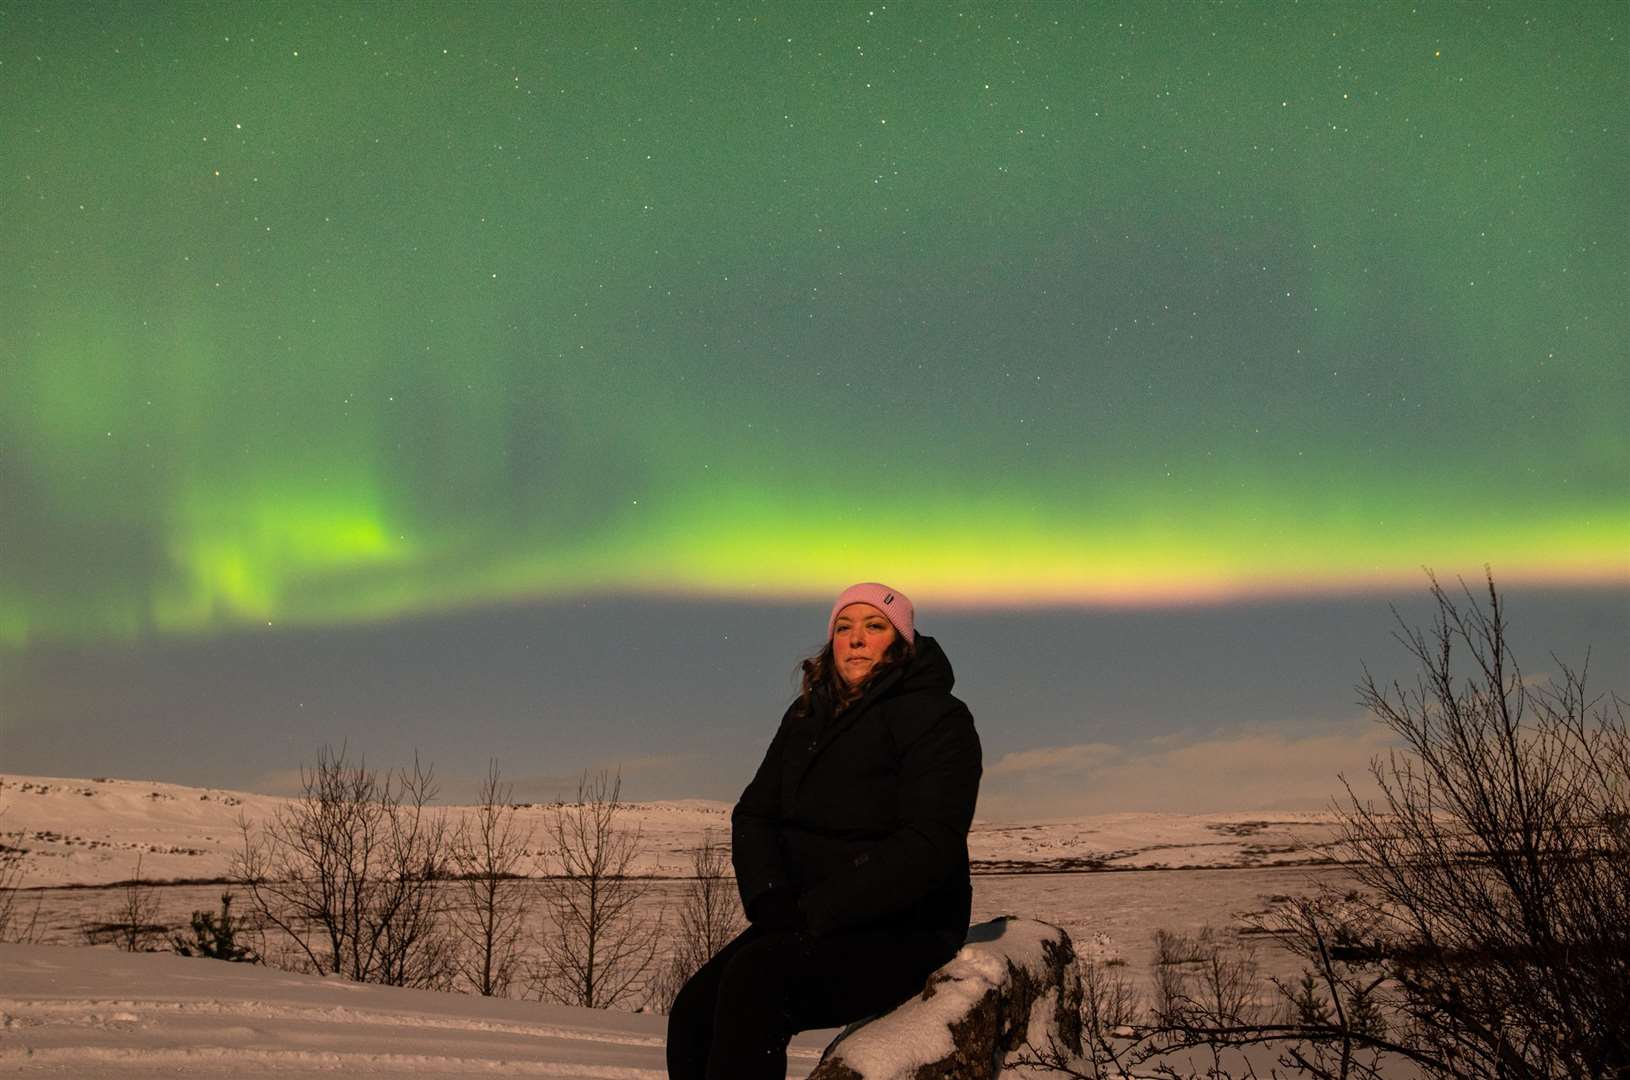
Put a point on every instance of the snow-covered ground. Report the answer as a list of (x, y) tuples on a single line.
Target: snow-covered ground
[(96, 1012)]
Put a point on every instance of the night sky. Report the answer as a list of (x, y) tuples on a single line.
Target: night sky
[(519, 380)]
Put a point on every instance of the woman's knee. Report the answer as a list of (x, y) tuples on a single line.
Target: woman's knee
[(759, 973), (697, 997)]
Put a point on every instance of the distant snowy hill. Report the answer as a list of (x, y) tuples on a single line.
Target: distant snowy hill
[(91, 832)]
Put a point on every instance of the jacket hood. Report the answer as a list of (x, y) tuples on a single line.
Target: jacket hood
[(928, 669)]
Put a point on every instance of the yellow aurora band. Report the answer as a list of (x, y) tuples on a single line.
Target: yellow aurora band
[(286, 562)]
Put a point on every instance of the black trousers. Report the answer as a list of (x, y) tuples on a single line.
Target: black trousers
[(733, 1019)]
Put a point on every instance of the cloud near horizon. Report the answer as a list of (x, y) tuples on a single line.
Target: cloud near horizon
[(1257, 769)]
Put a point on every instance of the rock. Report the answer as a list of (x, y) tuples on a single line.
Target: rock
[(1014, 980)]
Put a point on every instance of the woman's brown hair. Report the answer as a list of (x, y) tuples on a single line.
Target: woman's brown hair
[(821, 672)]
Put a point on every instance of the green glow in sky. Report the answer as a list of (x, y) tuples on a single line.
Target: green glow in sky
[(333, 312)]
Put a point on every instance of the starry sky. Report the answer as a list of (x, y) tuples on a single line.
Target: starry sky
[(517, 379)]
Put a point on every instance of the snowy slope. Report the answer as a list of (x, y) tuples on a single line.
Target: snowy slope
[(92, 831)]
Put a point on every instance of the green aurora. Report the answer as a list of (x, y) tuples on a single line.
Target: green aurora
[(336, 312)]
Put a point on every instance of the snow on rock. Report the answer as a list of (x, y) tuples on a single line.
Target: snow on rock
[(1014, 981)]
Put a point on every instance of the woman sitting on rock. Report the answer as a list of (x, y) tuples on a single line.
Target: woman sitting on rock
[(850, 847)]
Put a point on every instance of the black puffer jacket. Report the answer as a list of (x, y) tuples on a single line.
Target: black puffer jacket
[(864, 816)]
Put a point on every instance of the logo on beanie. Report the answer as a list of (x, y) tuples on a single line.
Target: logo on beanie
[(889, 599)]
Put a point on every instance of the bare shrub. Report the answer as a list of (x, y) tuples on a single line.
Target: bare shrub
[(349, 871), (598, 950), (19, 920), (1202, 981), (1110, 1006), (1109, 1000), (1204, 978), (489, 915), (709, 918), (1334, 1016), (1212, 1015), (216, 937), (133, 923)]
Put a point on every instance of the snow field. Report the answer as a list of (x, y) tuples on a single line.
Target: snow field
[(98, 1013)]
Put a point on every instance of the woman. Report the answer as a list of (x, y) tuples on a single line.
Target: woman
[(850, 847)]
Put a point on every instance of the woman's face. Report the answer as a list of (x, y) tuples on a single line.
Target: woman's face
[(860, 636)]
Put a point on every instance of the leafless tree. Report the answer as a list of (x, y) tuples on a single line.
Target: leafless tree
[(709, 917), (1489, 936), (599, 949), (489, 916), (1495, 870), (349, 872)]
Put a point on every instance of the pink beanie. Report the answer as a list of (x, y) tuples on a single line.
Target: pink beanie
[(890, 602)]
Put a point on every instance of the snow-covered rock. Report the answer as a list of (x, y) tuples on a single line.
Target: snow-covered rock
[(1014, 980)]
